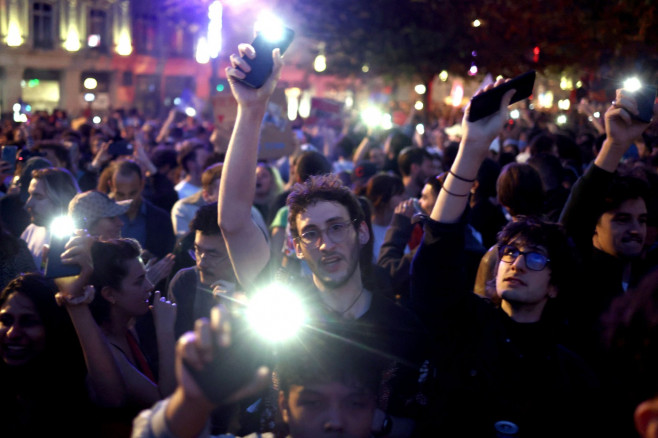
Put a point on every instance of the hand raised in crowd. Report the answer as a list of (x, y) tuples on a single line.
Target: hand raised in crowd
[(245, 95), (6, 171), (102, 156), (157, 271), (621, 128), (407, 208), (77, 252), (164, 312)]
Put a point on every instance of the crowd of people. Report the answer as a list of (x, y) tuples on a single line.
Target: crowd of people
[(498, 280)]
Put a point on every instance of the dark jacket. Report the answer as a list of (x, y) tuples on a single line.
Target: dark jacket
[(160, 238), (487, 370)]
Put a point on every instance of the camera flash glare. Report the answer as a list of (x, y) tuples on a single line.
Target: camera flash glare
[(276, 313)]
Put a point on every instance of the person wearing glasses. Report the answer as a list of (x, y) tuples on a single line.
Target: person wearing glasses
[(329, 229), (496, 370)]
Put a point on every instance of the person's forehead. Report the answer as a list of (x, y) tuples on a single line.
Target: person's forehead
[(36, 186), (322, 212), (17, 303), (328, 389), (209, 241), (126, 178), (522, 243), (630, 206)]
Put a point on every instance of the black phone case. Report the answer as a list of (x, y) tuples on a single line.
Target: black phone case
[(120, 147), (645, 98), (262, 64), (9, 155), (54, 266), (487, 103)]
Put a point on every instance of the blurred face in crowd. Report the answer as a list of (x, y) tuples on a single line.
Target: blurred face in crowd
[(621, 232), (22, 333), (106, 228), (264, 181), (124, 187), (41, 208), (377, 156), (427, 199), (212, 259), (211, 194), (334, 262), (524, 291), (133, 297), (425, 170), (328, 409)]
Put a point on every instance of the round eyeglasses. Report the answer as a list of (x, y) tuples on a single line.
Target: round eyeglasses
[(336, 232), (534, 260)]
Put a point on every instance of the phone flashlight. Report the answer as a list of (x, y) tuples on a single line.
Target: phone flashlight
[(632, 84), (372, 117), (191, 112), (276, 314), (270, 27), (61, 230)]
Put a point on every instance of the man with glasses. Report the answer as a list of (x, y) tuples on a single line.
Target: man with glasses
[(497, 371), (194, 289)]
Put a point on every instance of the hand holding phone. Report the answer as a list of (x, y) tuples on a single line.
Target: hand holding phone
[(488, 103), (9, 155), (262, 64), (645, 99)]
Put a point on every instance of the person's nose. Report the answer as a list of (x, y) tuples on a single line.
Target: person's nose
[(334, 421), (326, 243), (14, 331), (519, 264)]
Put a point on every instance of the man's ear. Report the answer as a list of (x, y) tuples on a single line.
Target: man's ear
[(284, 408), (108, 293), (364, 233), (646, 418)]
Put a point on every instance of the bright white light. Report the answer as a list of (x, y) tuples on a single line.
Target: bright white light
[(561, 119), (387, 122), (202, 51), (191, 112), (215, 29), (320, 63), (305, 105), (546, 99), (90, 83), (72, 43), (420, 89), (16, 107), (443, 76), (418, 105), (632, 84), (94, 40), (457, 94), (276, 313), (349, 101), (14, 38), (515, 114), (89, 97), (96, 120), (371, 116), (270, 26), (292, 97), (566, 83), (499, 77), (597, 114), (564, 104), (365, 68), (18, 117), (177, 100), (476, 23), (473, 70), (124, 47), (420, 129), (62, 226)]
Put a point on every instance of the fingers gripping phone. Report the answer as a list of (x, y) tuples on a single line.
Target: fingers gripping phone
[(262, 64), (488, 103), (54, 266)]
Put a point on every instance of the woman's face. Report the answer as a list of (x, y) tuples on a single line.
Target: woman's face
[(263, 181), (22, 333), (133, 298)]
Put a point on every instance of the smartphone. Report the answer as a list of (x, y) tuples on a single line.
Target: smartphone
[(262, 64), (120, 147), (487, 103), (645, 98), (54, 266), (9, 155)]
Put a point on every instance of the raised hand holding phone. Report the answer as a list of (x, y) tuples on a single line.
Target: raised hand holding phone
[(488, 102), (260, 62)]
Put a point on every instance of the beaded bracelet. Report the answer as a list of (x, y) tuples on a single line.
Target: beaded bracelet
[(460, 177), (454, 194)]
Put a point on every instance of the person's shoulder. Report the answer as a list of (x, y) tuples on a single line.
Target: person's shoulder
[(184, 275)]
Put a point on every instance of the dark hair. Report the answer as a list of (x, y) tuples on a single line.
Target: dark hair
[(205, 220), (163, 156), (411, 155), (623, 188), (322, 188), (520, 189), (311, 163), (110, 259), (211, 174), (552, 236), (189, 154), (397, 141), (60, 186), (126, 167), (61, 152), (549, 168), (541, 143), (381, 188), (487, 176)]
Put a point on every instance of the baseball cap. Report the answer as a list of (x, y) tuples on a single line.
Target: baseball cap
[(87, 207)]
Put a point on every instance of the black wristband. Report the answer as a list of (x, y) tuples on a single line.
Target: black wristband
[(460, 177), (454, 194)]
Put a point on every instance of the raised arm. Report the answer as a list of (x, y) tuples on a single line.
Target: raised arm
[(247, 246)]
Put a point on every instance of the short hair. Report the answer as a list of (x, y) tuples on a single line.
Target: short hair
[(61, 151), (552, 236), (125, 167), (110, 259), (188, 153), (211, 174), (520, 189), (205, 220), (311, 163), (623, 188), (321, 188), (549, 168), (60, 186), (164, 156), (411, 155), (397, 141), (381, 188)]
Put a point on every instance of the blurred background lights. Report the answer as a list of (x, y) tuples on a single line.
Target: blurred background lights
[(371, 116), (90, 83), (365, 68), (89, 97), (443, 76), (190, 112), (17, 107), (420, 89), (96, 120), (418, 105), (420, 129), (320, 63), (514, 114), (561, 119), (202, 51), (473, 70), (387, 122), (214, 29), (476, 23), (564, 104)]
